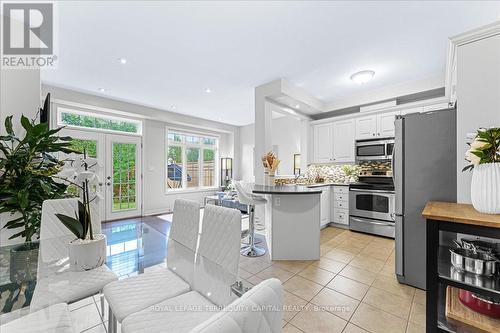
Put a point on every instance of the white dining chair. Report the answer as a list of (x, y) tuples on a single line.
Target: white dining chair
[(56, 282), (133, 294), (215, 271)]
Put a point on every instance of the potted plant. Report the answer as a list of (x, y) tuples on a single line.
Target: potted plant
[(484, 156), (88, 250), (27, 165)]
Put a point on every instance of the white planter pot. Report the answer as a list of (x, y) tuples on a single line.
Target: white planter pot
[(87, 254), (485, 188)]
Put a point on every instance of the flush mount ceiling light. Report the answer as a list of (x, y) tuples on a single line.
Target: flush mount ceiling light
[(297, 106), (122, 61), (173, 107), (102, 90), (363, 76), (208, 90)]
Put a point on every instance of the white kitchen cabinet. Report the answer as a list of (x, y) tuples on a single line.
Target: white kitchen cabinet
[(339, 209), (343, 140), (322, 143), (385, 124), (325, 205), (375, 126), (366, 127)]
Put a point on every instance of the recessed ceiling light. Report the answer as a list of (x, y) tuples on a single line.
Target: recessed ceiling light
[(363, 76), (208, 90), (173, 107), (123, 60), (297, 106), (102, 90)]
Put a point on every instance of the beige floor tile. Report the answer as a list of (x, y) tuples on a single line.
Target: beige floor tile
[(388, 269), (254, 265), (329, 264), (289, 328), (244, 274), (324, 248), (375, 320), (254, 280), (419, 297), (415, 328), (85, 317), (312, 320), (316, 274), (377, 252), (417, 314), (293, 266), (396, 305), (351, 328), (358, 274), (392, 285), (275, 272), (367, 263), (301, 287), (340, 255), (292, 305), (336, 303), (348, 287)]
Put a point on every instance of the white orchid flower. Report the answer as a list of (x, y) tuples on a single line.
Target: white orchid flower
[(478, 144), (469, 156)]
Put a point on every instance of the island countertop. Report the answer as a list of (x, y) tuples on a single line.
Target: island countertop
[(285, 189)]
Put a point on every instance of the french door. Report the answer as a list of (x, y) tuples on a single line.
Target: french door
[(119, 158)]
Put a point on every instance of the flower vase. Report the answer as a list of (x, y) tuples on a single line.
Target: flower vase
[(485, 188), (86, 254)]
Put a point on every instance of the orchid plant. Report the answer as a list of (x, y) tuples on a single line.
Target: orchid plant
[(80, 171), (485, 148)]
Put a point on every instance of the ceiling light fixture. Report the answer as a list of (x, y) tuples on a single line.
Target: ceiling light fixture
[(363, 76), (102, 90), (208, 90), (173, 107), (297, 106), (123, 61)]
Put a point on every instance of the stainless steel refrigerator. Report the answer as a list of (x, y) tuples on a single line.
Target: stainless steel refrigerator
[(424, 169)]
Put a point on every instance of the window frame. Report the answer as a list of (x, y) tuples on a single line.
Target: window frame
[(61, 110), (184, 145)]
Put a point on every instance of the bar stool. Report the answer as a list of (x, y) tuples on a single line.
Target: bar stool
[(245, 196)]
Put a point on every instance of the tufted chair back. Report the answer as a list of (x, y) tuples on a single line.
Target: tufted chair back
[(258, 310), (183, 239), (218, 255), (51, 228)]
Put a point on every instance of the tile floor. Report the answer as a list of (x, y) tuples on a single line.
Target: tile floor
[(351, 289)]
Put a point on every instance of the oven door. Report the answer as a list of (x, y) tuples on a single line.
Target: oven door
[(371, 150), (373, 204)]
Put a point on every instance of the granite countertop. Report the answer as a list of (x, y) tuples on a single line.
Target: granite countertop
[(285, 189), (327, 184)]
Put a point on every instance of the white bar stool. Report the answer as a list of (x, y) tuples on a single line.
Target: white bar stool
[(245, 196)]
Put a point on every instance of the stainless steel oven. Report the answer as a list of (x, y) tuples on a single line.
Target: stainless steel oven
[(372, 211), (370, 150)]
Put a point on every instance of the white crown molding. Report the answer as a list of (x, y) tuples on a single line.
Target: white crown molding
[(467, 37)]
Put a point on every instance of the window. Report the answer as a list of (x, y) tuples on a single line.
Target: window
[(191, 160), (80, 119)]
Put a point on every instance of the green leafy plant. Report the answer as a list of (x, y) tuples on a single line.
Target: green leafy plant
[(26, 168), (484, 149), (80, 172)]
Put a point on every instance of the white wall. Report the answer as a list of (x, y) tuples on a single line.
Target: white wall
[(286, 134), (19, 94), (155, 198), (478, 98)]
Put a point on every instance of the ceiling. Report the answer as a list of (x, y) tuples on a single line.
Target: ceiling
[(176, 50)]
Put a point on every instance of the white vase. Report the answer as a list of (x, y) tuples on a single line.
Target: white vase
[(485, 188), (87, 254)]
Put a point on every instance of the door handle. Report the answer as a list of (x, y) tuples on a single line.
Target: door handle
[(372, 222), (108, 177), (108, 183)]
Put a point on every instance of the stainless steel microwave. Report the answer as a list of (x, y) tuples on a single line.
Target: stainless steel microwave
[(369, 150)]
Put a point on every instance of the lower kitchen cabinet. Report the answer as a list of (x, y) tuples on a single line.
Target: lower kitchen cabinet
[(325, 205), (340, 205)]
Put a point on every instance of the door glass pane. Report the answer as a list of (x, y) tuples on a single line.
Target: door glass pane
[(372, 203), (193, 167), (174, 167), (124, 176), (208, 167)]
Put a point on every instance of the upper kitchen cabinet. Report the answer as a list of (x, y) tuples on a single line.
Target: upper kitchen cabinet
[(322, 143), (375, 126), (366, 127), (343, 140)]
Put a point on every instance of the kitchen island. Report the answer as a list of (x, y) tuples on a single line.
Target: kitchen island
[(292, 216)]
